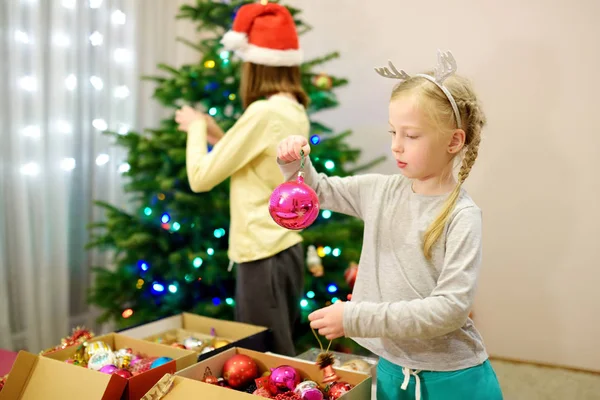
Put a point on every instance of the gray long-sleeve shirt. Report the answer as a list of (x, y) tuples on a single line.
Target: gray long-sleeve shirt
[(411, 311)]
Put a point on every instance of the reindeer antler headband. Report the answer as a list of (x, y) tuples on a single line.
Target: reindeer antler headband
[(446, 66)]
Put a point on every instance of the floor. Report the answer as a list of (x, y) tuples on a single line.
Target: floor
[(532, 382)]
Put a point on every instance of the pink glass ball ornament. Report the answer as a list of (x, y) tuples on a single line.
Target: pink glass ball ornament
[(294, 205)]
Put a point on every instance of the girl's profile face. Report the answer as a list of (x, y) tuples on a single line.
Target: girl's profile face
[(421, 151)]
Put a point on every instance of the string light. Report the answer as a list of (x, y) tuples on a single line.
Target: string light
[(143, 265), (69, 3), (310, 295), (123, 168), (303, 303), (96, 38), (157, 287), (315, 139), (229, 301), (197, 263), (121, 92), (127, 313), (121, 55), (216, 301), (176, 226), (209, 64), (147, 211), (212, 111), (118, 17), (63, 126), (123, 129), (332, 288), (336, 252), (321, 251), (140, 283), (71, 82), (97, 82), (173, 288), (232, 97), (189, 278), (28, 83), (67, 164), (165, 218), (61, 40), (329, 165), (210, 251), (32, 131), (334, 299), (22, 37), (31, 169), (100, 124), (326, 214), (224, 55), (219, 233), (102, 159), (327, 250)]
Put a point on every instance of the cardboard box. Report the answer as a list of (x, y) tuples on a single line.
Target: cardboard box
[(187, 383), (39, 378), (240, 335), (138, 385), (345, 361)]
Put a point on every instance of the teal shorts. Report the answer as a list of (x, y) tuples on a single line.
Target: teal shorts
[(475, 383)]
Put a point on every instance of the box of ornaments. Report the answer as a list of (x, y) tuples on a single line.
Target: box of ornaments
[(206, 336), (237, 374), (140, 364)]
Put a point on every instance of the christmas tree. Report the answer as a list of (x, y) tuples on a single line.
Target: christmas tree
[(171, 254)]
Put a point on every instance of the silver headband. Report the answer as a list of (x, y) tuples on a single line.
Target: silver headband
[(446, 66)]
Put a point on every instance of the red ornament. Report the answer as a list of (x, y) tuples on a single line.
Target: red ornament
[(338, 389), (288, 396), (123, 373), (329, 375), (2, 381), (350, 274), (294, 205), (239, 371), (213, 380)]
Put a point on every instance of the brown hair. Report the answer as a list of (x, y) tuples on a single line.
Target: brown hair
[(437, 107), (260, 81)]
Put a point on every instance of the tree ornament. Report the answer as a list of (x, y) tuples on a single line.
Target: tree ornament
[(322, 81), (239, 371), (325, 361), (283, 379), (294, 205)]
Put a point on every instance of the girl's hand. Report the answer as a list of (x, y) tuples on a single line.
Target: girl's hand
[(185, 116), (329, 321), (289, 148)]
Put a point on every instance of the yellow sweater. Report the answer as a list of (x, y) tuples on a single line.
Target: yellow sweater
[(248, 153)]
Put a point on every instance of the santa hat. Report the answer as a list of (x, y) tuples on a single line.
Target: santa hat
[(264, 33)]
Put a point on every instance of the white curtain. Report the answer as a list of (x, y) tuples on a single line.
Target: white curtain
[(69, 70)]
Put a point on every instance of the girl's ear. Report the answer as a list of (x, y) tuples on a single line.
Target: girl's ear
[(457, 141)]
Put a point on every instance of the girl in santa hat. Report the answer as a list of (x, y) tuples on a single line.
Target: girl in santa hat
[(270, 262)]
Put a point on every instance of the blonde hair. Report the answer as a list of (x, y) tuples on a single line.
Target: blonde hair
[(437, 107), (259, 81)]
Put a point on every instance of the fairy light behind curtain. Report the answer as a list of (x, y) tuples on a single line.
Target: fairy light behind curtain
[(68, 72)]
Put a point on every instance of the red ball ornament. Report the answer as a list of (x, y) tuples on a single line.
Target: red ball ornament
[(350, 274), (123, 373), (337, 390), (239, 371), (294, 205)]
